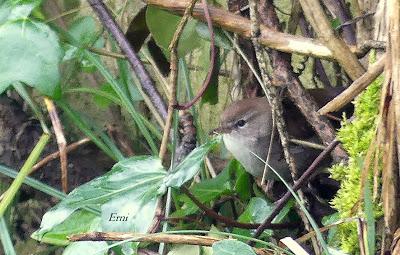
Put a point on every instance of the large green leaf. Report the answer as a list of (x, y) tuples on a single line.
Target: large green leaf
[(16, 9), (232, 247), (30, 53), (126, 196), (128, 188), (163, 24)]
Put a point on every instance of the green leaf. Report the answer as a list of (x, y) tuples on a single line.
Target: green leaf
[(80, 221), (189, 167), (103, 96), (30, 53), (86, 248), (125, 98), (127, 79), (220, 38), (185, 250), (129, 187), (94, 133), (257, 211), (162, 26), (232, 247), (206, 191), (335, 23), (243, 182), (17, 9), (83, 30), (103, 99)]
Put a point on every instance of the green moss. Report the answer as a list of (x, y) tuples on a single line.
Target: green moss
[(355, 137)]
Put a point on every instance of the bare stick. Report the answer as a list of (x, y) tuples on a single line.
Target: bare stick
[(62, 143), (55, 155), (154, 238), (242, 26), (355, 88)]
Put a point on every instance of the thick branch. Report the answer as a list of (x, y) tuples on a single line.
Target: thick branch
[(341, 52), (283, 73), (242, 26), (355, 88)]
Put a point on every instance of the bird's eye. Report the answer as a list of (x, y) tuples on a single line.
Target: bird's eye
[(240, 123)]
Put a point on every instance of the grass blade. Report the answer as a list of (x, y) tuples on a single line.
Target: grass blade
[(6, 238), (87, 129), (25, 170), (125, 99)]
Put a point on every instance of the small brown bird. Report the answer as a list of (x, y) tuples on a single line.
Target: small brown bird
[(246, 128)]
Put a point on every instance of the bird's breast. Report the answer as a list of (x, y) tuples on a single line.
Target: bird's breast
[(243, 149)]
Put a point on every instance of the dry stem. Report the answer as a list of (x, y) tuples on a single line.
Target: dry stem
[(62, 143), (154, 238)]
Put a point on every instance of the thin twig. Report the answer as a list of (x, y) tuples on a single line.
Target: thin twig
[(228, 221), (174, 78), (308, 144), (106, 53), (354, 20), (62, 143), (55, 155)]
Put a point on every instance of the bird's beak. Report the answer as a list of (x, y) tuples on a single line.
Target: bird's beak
[(220, 130)]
